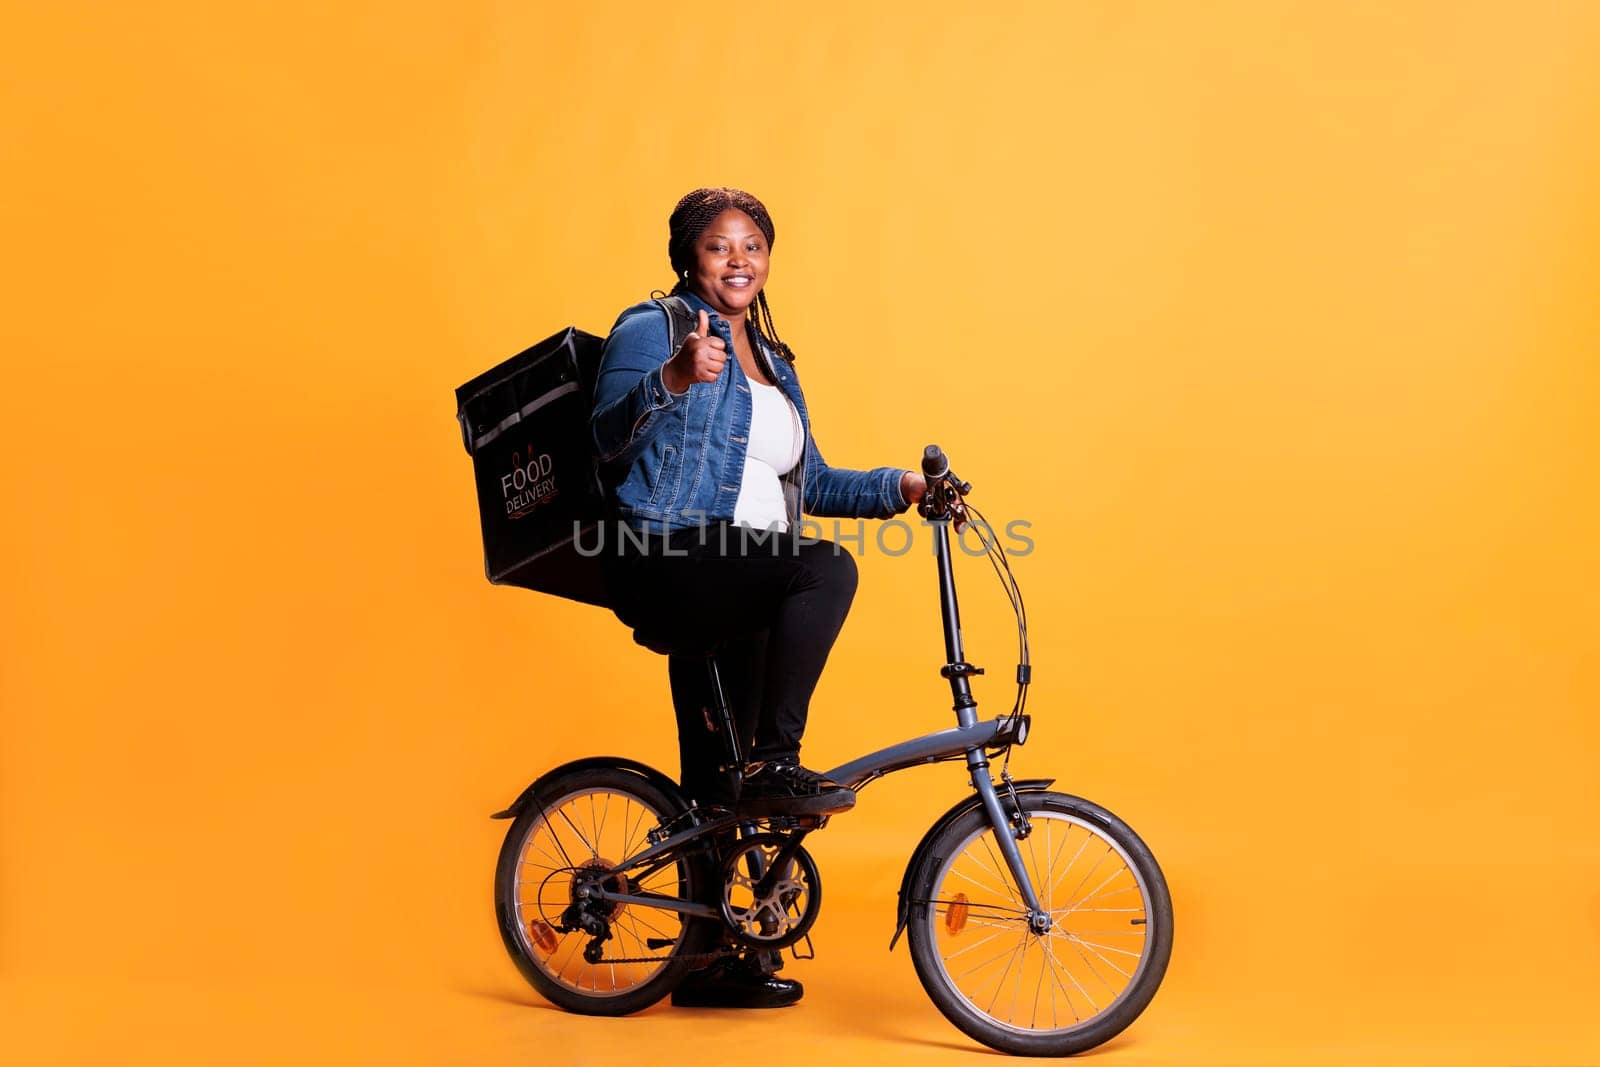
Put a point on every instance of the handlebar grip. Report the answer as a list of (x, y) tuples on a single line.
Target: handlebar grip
[(935, 464)]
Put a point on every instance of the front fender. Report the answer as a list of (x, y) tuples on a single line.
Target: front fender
[(645, 771), (1026, 785)]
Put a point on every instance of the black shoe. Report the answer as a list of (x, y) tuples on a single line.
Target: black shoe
[(782, 787), (735, 983)]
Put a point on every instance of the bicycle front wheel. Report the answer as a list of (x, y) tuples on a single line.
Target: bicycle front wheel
[(1071, 988)]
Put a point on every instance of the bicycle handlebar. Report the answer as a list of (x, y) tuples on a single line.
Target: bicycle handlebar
[(944, 499)]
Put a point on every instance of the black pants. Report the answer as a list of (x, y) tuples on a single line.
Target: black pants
[(769, 604), (702, 749)]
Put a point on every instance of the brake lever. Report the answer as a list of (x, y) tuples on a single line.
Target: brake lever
[(948, 494)]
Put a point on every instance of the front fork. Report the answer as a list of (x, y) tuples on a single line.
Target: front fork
[(1008, 832)]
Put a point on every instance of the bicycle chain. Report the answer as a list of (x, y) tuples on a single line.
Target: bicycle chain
[(693, 957)]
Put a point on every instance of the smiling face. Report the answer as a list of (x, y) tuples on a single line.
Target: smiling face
[(730, 263)]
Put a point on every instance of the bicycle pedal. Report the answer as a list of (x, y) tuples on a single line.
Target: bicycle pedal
[(811, 951), (782, 823)]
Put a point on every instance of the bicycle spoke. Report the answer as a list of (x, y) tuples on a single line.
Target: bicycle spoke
[(545, 892), (533, 842), (600, 831), (631, 828), (629, 925), (1000, 869), (634, 922), (1001, 984), (974, 881), (985, 867), (1091, 894), (1079, 987), (1037, 986), (1093, 945), (1087, 962), (571, 941), (1107, 893), (975, 944), (1065, 838), (648, 925), (1049, 824), (1022, 969), (652, 882), (1078, 947), (1033, 872), (1090, 871), (1054, 1021), (1050, 957), (985, 963), (593, 851)]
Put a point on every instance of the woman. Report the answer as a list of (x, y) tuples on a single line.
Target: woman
[(708, 456), (698, 450)]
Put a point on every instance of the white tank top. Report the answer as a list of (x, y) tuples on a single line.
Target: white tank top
[(773, 450)]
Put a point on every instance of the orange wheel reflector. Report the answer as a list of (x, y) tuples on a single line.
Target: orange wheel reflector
[(955, 917), (542, 936)]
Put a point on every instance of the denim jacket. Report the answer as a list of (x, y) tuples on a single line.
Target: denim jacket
[(672, 462)]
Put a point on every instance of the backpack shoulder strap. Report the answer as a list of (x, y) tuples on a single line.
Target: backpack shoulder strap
[(680, 320)]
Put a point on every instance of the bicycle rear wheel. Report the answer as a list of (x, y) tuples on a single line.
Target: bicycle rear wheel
[(1053, 994), (583, 826)]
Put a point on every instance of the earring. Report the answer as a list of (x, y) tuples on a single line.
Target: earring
[(685, 275)]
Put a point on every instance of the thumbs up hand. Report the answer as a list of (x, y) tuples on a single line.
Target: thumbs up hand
[(699, 360)]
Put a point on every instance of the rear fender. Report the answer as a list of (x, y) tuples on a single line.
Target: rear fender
[(648, 773)]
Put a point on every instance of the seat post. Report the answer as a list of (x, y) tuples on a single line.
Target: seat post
[(735, 768), (730, 731)]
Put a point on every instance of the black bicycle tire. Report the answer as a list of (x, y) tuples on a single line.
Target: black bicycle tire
[(695, 887), (1102, 1027)]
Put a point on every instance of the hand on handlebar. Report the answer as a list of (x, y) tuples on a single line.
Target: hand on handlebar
[(936, 491), (913, 487)]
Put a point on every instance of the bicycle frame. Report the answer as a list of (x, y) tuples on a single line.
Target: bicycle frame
[(970, 738)]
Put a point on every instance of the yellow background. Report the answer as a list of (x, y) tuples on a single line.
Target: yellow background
[(1278, 322)]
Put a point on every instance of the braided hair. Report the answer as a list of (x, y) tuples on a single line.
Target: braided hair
[(690, 219)]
